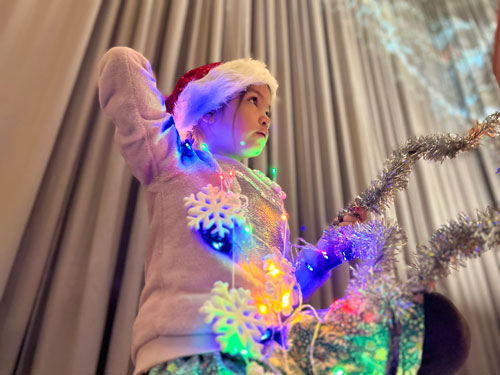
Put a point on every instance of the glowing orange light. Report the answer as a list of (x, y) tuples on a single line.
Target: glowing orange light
[(285, 300), (273, 270), (284, 217), (263, 309)]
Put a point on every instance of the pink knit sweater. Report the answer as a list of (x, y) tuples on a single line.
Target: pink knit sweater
[(180, 269)]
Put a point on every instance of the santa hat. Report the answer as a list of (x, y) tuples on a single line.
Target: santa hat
[(209, 87)]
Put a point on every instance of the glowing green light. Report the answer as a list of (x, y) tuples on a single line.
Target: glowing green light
[(204, 146), (242, 143), (381, 354), (273, 172), (338, 370), (248, 229)]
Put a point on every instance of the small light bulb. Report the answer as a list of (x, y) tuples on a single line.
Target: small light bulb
[(221, 176), (242, 143), (284, 217), (273, 171), (285, 300), (273, 270), (263, 309)]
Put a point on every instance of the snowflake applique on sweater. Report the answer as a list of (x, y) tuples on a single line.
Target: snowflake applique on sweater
[(235, 320), (215, 213)]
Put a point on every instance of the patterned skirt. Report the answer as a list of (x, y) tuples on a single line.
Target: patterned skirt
[(215, 363)]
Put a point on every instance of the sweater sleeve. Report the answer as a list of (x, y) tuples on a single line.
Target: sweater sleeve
[(315, 268), (128, 95)]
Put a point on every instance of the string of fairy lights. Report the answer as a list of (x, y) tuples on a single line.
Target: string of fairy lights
[(248, 322)]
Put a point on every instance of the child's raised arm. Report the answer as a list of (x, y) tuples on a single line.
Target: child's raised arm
[(128, 95)]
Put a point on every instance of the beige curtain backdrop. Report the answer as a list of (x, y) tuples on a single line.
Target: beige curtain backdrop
[(73, 222)]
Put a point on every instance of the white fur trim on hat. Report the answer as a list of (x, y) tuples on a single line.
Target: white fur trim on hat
[(215, 89)]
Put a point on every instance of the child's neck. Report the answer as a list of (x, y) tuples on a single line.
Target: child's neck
[(203, 146)]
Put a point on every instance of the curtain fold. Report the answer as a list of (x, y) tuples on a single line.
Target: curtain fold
[(357, 78)]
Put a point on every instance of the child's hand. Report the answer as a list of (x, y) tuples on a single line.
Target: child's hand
[(360, 216)]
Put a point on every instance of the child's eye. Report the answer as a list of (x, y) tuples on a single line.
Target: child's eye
[(254, 99)]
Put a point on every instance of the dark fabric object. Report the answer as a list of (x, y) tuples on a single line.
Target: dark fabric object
[(447, 337)]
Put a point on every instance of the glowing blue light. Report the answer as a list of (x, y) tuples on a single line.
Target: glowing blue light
[(167, 124), (266, 335), (309, 267)]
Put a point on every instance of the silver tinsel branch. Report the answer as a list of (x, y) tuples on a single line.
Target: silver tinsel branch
[(451, 245), (374, 242), (377, 244), (397, 167)]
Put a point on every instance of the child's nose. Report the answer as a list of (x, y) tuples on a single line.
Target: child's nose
[(265, 121)]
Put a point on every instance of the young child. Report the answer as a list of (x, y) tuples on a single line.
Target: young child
[(186, 152)]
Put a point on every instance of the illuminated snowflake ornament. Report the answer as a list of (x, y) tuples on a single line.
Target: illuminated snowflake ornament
[(235, 320), (215, 213)]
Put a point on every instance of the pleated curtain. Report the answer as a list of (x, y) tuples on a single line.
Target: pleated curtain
[(357, 78)]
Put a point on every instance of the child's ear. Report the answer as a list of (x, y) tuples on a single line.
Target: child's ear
[(208, 118)]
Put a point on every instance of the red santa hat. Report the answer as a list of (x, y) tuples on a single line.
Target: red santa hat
[(207, 88)]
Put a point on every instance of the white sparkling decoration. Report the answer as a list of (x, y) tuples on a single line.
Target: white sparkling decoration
[(235, 320), (272, 184), (212, 206)]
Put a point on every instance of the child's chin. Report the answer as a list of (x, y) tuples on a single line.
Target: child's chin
[(252, 153)]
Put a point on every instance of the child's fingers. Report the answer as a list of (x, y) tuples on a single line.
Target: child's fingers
[(359, 215), (349, 219), (363, 214)]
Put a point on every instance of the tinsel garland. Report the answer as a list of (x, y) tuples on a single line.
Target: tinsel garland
[(451, 245), (377, 244), (397, 167)]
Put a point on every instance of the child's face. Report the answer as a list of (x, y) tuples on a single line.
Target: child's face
[(241, 129)]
